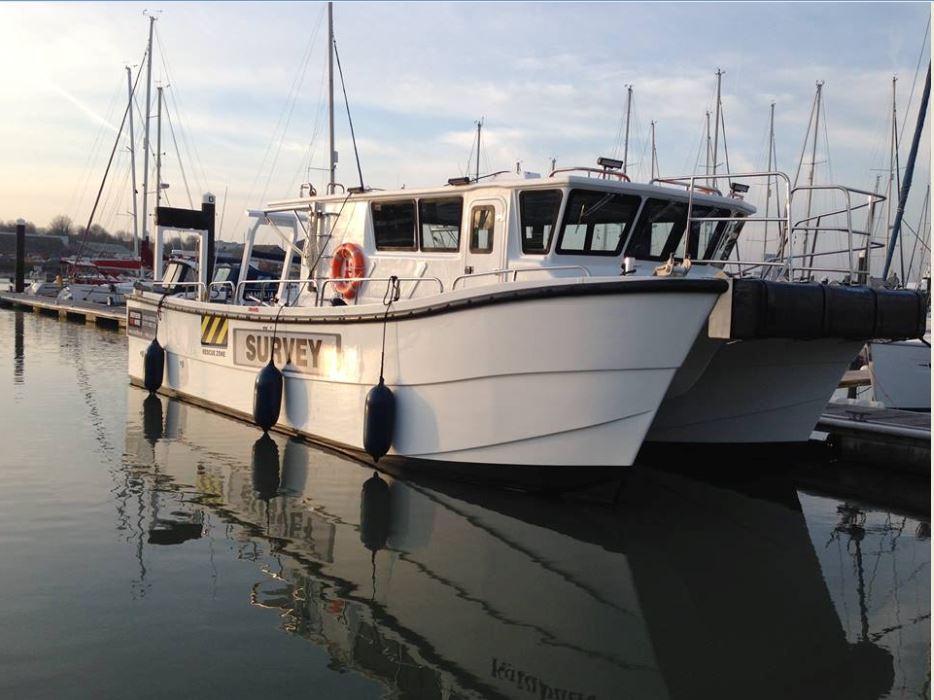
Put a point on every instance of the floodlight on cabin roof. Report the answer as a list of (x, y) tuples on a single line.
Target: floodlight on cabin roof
[(738, 188), (458, 181), (610, 163)]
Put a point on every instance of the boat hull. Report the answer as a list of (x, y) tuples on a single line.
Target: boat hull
[(545, 380), (901, 374), (752, 391)]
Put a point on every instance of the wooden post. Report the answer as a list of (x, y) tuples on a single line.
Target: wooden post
[(20, 279)]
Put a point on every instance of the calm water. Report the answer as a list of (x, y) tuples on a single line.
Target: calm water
[(151, 548)]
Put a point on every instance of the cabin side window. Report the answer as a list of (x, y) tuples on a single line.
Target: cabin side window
[(394, 225), (659, 233), (596, 223), (721, 246), (482, 220), (538, 217), (706, 233), (440, 223)]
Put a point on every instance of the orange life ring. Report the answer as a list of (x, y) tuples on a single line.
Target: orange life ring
[(348, 262)]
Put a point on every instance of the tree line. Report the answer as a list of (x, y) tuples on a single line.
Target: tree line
[(62, 225)]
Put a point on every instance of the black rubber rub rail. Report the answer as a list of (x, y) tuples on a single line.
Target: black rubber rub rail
[(765, 309)]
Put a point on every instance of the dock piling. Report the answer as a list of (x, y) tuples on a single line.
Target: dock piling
[(20, 278)]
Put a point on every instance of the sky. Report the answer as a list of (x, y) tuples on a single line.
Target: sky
[(244, 93)]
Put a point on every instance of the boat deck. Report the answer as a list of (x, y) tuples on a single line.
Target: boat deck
[(89, 312)]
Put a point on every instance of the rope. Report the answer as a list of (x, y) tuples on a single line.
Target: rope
[(391, 295), (353, 138), (181, 167), (110, 160)]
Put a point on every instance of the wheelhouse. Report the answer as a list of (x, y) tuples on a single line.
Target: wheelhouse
[(509, 229)]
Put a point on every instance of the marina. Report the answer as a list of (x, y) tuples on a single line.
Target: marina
[(87, 311), (559, 421), (179, 527)]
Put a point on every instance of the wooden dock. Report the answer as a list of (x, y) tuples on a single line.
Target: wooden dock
[(86, 311), (883, 436)]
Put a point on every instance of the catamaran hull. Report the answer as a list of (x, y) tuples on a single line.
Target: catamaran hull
[(545, 381), (752, 391)]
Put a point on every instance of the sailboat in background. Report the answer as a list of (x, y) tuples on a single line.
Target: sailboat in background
[(109, 278), (901, 369)]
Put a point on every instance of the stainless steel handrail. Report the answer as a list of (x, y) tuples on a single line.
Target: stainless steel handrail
[(605, 174), (200, 285), (228, 283), (676, 181), (264, 283), (335, 280), (516, 270)]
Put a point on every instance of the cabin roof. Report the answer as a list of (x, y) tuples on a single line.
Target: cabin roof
[(507, 185)]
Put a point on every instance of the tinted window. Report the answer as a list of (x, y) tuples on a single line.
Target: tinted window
[(538, 211), (721, 245), (596, 223), (482, 220), (440, 223), (707, 232), (659, 232), (394, 225)]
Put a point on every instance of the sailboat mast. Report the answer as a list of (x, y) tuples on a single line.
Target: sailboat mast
[(332, 160), (817, 106), (152, 21), (129, 87), (626, 140), (921, 231), (479, 128), (716, 127), (707, 157), (909, 171), (158, 146), (654, 154), (768, 183), (891, 184)]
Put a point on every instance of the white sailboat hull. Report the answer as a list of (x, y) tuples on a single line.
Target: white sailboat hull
[(572, 380), (901, 374)]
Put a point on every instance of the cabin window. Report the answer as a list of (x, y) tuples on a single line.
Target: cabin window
[(707, 233), (482, 220), (659, 232), (721, 247), (440, 223), (596, 223), (538, 211), (394, 225)]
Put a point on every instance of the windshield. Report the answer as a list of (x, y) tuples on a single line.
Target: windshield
[(596, 223), (659, 233)]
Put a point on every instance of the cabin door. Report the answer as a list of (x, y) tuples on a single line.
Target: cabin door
[(486, 240)]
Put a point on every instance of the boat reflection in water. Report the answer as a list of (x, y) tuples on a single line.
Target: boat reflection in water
[(680, 590)]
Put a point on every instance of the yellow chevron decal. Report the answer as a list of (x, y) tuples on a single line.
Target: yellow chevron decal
[(214, 331)]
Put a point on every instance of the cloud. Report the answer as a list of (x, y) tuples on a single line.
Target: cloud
[(548, 78)]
